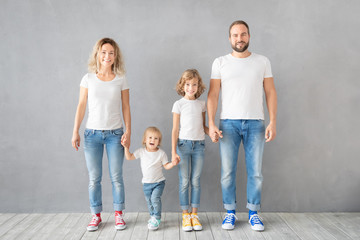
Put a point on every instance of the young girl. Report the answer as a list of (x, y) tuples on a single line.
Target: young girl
[(106, 90), (152, 160), (188, 144)]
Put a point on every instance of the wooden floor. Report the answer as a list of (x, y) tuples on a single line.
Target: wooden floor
[(277, 226)]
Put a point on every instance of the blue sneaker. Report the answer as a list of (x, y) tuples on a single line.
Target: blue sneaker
[(256, 223), (229, 221)]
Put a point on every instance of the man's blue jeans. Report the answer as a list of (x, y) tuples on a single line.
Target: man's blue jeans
[(153, 192), (94, 143), (190, 167), (252, 133)]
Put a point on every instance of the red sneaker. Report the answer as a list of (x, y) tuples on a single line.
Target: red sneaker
[(94, 224), (119, 221)]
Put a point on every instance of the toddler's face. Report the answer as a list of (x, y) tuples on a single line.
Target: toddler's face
[(191, 88), (152, 141)]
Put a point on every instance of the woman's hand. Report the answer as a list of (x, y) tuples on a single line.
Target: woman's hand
[(125, 139), (75, 141)]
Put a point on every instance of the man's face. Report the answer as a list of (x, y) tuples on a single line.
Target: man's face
[(239, 38)]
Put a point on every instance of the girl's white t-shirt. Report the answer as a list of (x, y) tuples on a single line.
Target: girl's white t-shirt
[(191, 118), (151, 164), (104, 101), (242, 85)]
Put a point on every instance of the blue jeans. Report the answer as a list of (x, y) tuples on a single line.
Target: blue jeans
[(153, 192), (190, 167), (94, 148), (252, 133)]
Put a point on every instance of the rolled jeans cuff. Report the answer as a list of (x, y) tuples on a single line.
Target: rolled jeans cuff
[(230, 206), (96, 210), (253, 207), (119, 207)]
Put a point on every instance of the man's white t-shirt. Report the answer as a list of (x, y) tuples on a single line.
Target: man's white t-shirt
[(151, 164), (191, 119), (242, 89), (104, 101)]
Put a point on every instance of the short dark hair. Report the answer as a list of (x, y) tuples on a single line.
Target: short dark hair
[(238, 22)]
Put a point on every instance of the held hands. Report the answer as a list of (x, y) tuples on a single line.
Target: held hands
[(125, 140), (270, 132), (215, 133), (75, 141), (175, 159)]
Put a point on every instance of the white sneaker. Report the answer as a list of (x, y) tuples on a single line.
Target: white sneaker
[(153, 223), (256, 223)]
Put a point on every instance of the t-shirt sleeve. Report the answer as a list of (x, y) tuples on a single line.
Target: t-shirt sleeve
[(164, 158), (84, 81), (203, 106), (215, 70), (138, 153), (176, 108), (268, 72), (125, 84)]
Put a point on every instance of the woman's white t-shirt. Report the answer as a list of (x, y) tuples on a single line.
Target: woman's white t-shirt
[(191, 118), (104, 101), (151, 164)]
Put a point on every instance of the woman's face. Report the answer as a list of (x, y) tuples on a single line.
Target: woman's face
[(106, 55)]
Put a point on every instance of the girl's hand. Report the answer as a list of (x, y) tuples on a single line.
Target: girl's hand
[(125, 140), (215, 133), (175, 159), (75, 140)]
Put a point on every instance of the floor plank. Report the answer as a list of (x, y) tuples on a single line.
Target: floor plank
[(215, 220), (289, 226), (171, 226)]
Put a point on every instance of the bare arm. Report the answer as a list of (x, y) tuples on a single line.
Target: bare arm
[(212, 103), (128, 154), (206, 129), (169, 165), (125, 100), (175, 158), (79, 116), (271, 102)]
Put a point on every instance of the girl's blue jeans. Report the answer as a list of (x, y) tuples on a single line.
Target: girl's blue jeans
[(190, 167)]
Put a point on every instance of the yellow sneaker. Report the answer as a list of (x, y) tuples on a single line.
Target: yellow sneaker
[(186, 222), (195, 221)]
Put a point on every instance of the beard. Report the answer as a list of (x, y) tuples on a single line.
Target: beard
[(242, 49)]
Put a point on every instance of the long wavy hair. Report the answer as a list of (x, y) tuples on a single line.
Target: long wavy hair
[(189, 75), (94, 65)]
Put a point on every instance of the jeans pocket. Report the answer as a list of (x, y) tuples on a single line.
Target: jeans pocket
[(117, 132), (181, 142), (88, 132)]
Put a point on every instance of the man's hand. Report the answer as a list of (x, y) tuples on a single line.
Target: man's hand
[(270, 132), (214, 133)]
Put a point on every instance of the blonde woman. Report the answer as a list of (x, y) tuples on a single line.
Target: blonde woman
[(105, 90)]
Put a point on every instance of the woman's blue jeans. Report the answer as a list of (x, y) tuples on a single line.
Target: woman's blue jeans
[(190, 167), (95, 140), (153, 192), (252, 133)]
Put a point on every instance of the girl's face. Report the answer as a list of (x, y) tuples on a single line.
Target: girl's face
[(152, 141), (191, 88), (106, 55)]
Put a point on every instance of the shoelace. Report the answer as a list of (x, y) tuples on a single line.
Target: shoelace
[(256, 219), (229, 217), (153, 221), (94, 220), (119, 218), (196, 217), (187, 219)]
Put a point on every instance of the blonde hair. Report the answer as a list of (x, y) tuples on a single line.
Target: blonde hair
[(94, 65), (151, 130), (190, 74)]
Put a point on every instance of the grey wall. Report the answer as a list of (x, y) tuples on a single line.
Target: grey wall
[(313, 165)]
